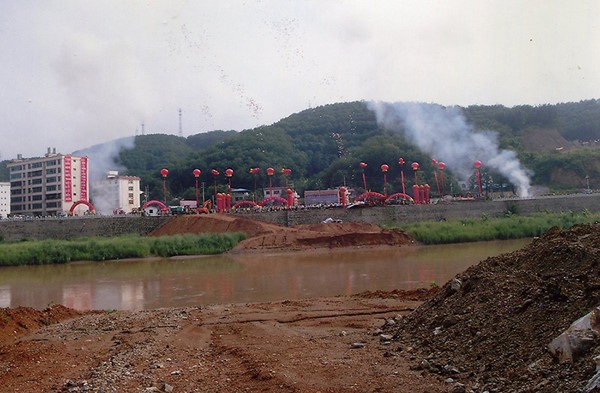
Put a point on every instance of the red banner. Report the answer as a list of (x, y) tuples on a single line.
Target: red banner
[(84, 173), (67, 179)]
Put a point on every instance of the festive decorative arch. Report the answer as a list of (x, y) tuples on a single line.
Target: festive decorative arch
[(273, 199), (400, 195), (371, 196), (82, 202), (244, 203), (162, 206)]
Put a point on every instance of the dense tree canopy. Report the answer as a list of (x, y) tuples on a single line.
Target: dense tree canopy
[(323, 147)]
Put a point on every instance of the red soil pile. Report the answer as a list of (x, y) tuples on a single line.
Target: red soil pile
[(490, 327), (266, 236), (15, 322)]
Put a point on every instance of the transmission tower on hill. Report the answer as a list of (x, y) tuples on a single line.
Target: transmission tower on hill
[(180, 124)]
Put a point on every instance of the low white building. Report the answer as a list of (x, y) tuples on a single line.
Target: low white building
[(116, 194), (4, 199)]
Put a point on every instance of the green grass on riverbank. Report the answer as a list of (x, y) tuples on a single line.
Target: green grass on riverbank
[(38, 252), (484, 228)]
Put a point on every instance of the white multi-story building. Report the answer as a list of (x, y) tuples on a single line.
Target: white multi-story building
[(49, 185), (116, 194), (4, 200)]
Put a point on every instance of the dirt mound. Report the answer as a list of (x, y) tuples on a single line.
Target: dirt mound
[(264, 236), (490, 327), (15, 322), (215, 224), (338, 227)]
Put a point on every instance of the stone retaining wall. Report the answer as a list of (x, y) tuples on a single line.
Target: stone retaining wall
[(71, 227), (441, 211)]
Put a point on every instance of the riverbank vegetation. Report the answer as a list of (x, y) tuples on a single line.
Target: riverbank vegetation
[(511, 226), (38, 252)]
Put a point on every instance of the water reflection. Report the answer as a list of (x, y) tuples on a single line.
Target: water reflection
[(155, 283)]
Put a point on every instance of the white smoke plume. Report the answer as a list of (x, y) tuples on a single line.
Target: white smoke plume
[(445, 134), (102, 159)]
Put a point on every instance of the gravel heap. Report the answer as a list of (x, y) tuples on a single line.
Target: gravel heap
[(489, 328)]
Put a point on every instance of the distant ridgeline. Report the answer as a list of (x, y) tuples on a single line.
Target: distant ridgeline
[(556, 145)]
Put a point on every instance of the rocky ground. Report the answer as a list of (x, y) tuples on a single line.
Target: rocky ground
[(317, 345), (486, 330)]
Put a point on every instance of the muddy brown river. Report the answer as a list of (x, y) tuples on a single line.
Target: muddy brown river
[(193, 281)]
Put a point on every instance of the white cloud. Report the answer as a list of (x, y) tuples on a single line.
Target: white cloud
[(78, 73)]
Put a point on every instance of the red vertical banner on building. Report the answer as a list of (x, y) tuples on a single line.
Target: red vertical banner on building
[(84, 178), (68, 175)]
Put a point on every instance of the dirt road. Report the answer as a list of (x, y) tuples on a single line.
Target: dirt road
[(318, 345)]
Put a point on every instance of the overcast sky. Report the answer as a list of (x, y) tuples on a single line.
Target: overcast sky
[(78, 73)]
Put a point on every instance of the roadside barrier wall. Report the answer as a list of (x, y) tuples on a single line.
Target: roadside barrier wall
[(71, 227), (435, 212)]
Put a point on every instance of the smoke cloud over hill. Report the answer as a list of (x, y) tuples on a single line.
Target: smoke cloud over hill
[(445, 134)]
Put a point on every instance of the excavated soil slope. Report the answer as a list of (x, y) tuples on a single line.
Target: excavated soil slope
[(263, 236), (490, 329)]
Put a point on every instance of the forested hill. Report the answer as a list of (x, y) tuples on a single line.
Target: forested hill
[(324, 145)]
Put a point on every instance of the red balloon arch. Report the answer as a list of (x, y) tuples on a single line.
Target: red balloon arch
[(82, 202), (162, 206)]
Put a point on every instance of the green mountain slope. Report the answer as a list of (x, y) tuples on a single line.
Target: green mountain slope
[(323, 147)]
